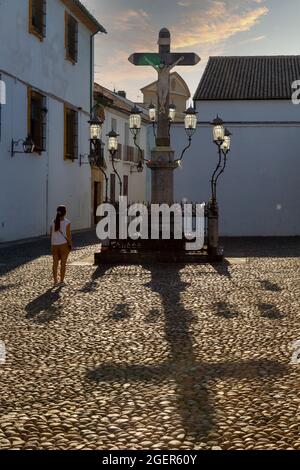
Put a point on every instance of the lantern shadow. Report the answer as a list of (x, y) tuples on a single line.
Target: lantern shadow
[(270, 311), (223, 309)]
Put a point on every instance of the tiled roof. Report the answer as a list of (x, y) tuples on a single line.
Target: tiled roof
[(249, 78)]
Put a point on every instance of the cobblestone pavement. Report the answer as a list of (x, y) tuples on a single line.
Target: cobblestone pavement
[(165, 357)]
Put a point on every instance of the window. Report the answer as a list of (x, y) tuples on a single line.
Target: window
[(37, 18), (37, 113), (126, 139), (125, 186), (114, 125), (129, 154), (119, 152), (112, 187), (71, 134), (71, 38)]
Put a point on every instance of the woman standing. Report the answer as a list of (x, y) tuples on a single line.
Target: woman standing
[(61, 243)]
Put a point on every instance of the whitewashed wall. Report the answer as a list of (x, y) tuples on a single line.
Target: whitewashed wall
[(43, 65), (260, 190), (32, 186)]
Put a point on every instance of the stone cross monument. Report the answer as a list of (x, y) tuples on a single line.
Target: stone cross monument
[(162, 163)]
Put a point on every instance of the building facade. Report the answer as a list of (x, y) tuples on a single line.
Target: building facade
[(46, 64), (179, 94), (259, 191), (115, 109)]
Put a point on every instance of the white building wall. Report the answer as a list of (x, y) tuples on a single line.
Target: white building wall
[(259, 192), (32, 186), (43, 64), (137, 181), (249, 111)]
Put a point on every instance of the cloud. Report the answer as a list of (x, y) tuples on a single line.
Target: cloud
[(129, 20), (218, 26), (186, 3), (255, 39)]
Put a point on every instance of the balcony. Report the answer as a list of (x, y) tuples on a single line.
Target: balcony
[(132, 155)]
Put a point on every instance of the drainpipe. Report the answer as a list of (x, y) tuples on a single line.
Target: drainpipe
[(92, 97)]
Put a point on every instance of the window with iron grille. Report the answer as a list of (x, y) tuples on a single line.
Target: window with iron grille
[(71, 134), (71, 32), (129, 154), (119, 152), (37, 18), (37, 119)]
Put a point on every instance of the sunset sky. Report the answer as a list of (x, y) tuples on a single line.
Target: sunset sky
[(207, 27)]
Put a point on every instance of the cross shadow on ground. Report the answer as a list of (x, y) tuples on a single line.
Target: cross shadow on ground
[(43, 309), (195, 402)]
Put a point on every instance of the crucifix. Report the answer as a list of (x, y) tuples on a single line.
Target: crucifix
[(162, 161)]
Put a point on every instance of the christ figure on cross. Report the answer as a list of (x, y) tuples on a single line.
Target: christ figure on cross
[(163, 86)]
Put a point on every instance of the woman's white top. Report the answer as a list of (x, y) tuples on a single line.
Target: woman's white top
[(58, 238)]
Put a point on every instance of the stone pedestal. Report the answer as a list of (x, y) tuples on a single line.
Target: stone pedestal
[(162, 165)]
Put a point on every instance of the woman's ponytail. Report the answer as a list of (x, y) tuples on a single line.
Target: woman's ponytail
[(57, 222), (61, 212)]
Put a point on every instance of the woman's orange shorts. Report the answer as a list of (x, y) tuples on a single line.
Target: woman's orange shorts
[(60, 251)]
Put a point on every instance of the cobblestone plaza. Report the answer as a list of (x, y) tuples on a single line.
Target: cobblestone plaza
[(155, 357)]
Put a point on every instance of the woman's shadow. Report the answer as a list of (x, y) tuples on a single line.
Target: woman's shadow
[(43, 309)]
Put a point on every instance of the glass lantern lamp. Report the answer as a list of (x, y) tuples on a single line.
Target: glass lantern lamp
[(140, 167), (112, 142), (227, 141), (218, 130), (95, 128), (135, 119), (172, 112), (190, 121), (28, 145), (152, 113)]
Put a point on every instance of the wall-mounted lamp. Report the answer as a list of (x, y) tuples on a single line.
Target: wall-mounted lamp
[(139, 168), (28, 146)]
